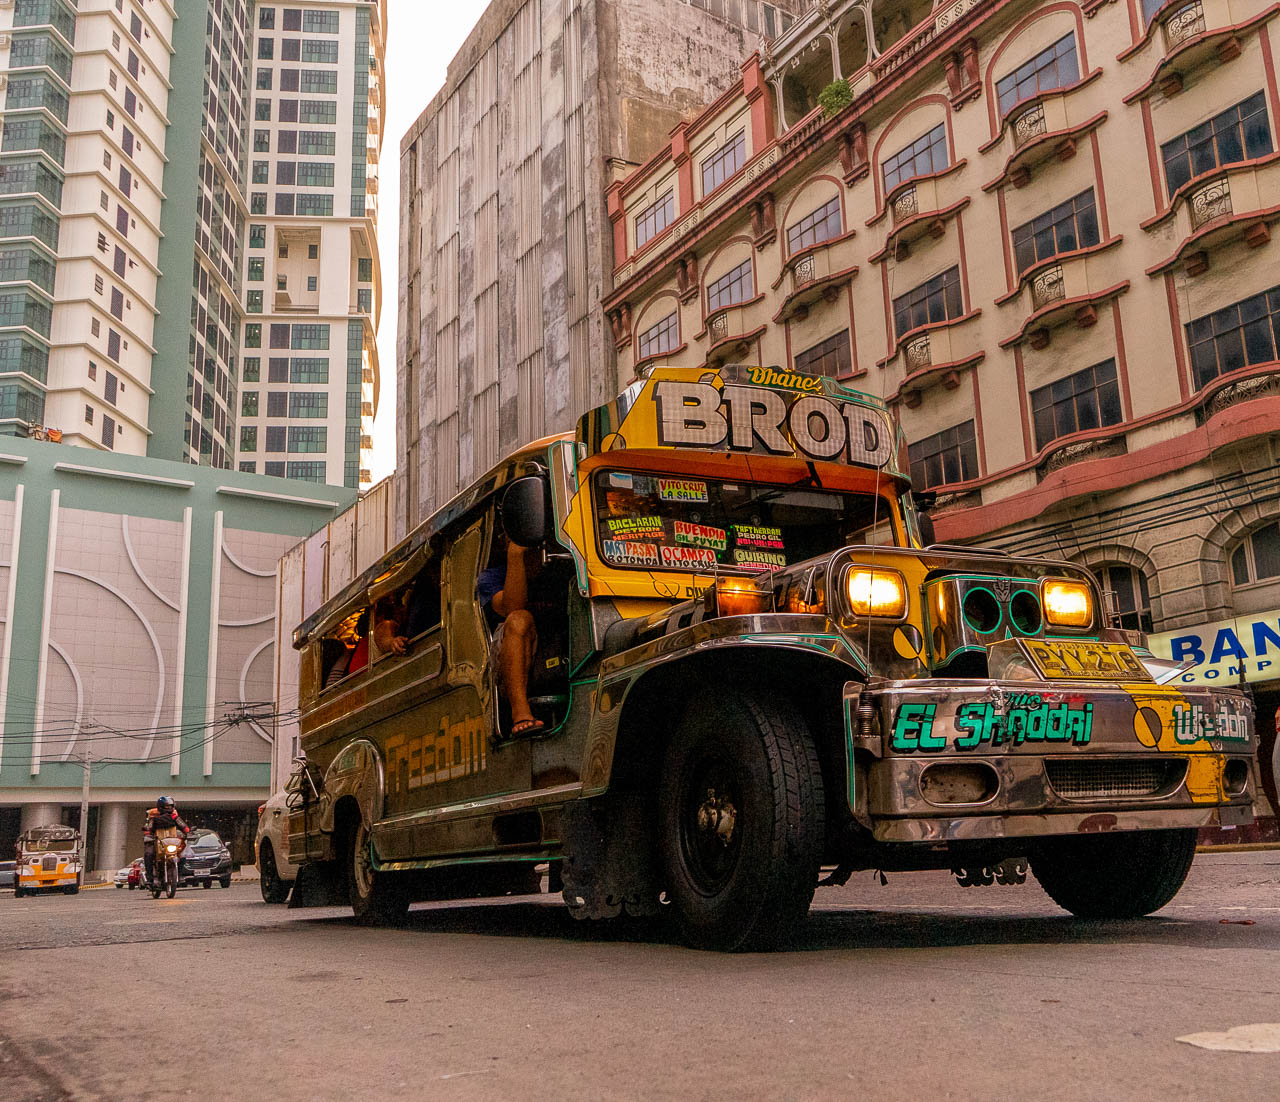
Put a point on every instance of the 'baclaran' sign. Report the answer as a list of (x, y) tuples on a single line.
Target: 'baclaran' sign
[(1222, 652), (770, 422)]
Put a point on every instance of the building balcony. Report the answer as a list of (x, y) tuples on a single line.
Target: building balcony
[(934, 355), (1064, 290), (1047, 127), (728, 333), (1247, 385), (1240, 202), (818, 272), (1079, 448), (1191, 36), (920, 208)]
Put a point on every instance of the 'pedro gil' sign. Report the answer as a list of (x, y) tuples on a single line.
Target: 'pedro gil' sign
[(1027, 718)]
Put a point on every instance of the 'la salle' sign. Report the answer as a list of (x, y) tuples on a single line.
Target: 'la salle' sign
[(1248, 644)]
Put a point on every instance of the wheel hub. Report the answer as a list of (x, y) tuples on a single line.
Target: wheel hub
[(717, 816)]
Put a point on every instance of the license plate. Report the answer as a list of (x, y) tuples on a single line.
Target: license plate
[(1084, 660)]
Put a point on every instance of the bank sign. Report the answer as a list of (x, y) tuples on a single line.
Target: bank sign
[(1248, 645)]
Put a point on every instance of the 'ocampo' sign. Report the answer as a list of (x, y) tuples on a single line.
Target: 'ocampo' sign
[(1223, 651), (770, 422)]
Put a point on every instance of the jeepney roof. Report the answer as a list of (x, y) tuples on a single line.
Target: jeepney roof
[(355, 592)]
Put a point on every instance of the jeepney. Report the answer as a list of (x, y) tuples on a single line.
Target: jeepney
[(48, 859), (757, 673)]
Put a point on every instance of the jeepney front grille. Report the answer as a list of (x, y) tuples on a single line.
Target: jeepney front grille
[(1092, 780), (50, 864)]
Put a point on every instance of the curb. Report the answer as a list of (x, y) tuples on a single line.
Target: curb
[(1242, 847)]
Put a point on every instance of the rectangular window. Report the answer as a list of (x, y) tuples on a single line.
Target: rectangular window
[(315, 174), (284, 203), (249, 403), (278, 369), (262, 80), (311, 336), (117, 303), (317, 143), (118, 261), (262, 141), (291, 49), (1054, 67), (293, 19), (248, 438), (313, 252), (266, 19), (724, 162), (662, 336), (130, 103), (277, 403), (318, 111), (262, 110), (364, 269), (1244, 333), (261, 172), (257, 237), (308, 438), (122, 221), (288, 80), (126, 140), (287, 141), (132, 65), (938, 299), (275, 470), (248, 468), (266, 49), (308, 405), (307, 472), (312, 281), (320, 50), (731, 288), (1069, 226), (832, 357), (258, 202), (315, 206), (275, 438), (288, 110), (113, 345), (257, 269), (1089, 399), (252, 368), (253, 335), (253, 302), (111, 388), (322, 81), (286, 173), (88, 414), (945, 457), (822, 225), (108, 431), (922, 157), (655, 218), (280, 335), (308, 369), (1240, 133), (320, 22)]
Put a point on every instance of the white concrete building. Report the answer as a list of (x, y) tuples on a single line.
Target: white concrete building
[(309, 366)]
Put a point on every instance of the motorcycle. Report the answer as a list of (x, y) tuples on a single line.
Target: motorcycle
[(168, 849)]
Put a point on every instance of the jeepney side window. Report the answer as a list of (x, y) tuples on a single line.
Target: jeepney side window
[(344, 651), (407, 614)]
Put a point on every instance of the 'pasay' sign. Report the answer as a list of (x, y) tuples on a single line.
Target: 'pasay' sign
[(768, 421), (1247, 646)]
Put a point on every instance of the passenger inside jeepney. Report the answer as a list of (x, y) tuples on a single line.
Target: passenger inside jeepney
[(503, 590), (402, 616), (347, 652)]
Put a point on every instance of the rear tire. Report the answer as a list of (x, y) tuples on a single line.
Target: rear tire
[(274, 890), (18, 893), (740, 823), (377, 898), (1122, 875), (206, 883), (225, 882)]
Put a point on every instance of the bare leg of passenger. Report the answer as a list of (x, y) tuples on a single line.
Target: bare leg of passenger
[(519, 641)]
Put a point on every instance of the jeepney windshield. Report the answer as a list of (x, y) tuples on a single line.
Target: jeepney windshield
[(49, 845), (668, 522)]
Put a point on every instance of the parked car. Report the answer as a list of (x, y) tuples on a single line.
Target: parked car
[(8, 873), (271, 847), (121, 877), (137, 873), (205, 860)]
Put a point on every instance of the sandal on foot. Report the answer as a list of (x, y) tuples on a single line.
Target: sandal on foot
[(527, 727)]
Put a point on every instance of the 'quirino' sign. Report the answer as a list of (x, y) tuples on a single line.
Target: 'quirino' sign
[(1248, 645), (768, 421)]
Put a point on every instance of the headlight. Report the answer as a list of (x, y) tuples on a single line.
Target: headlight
[(876, 593), (1067, 604), (171, 849)]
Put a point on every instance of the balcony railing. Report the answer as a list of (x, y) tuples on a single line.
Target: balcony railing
[(1186, 22), (1030, 124), (1210, 202), (1047, 287)]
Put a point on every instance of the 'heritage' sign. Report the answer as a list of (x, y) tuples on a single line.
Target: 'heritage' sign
[(1222, 652)]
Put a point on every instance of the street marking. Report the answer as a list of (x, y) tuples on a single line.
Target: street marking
[(1262, 1037)]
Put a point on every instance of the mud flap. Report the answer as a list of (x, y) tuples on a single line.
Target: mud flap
[(319, 884), (609, 864)]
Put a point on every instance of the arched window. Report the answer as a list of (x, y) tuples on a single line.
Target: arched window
[(1131, 600), (1258, 556)]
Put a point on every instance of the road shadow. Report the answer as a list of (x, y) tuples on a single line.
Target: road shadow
[(833, 930)]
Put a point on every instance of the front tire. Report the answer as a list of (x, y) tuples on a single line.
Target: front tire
[(206, 883), (740, 824), (274, 890), (377, 898), (1122, 875)]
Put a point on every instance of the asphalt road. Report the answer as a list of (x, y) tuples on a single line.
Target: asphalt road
[(917, 990)]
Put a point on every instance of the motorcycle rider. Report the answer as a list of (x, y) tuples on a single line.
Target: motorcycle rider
[(164, 814)]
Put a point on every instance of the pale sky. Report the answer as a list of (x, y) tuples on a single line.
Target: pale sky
[(423, 35)]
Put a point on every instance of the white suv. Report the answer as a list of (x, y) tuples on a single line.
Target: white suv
[(271, 848)]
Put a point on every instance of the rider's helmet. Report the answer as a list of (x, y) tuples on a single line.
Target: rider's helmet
[(165, 803)]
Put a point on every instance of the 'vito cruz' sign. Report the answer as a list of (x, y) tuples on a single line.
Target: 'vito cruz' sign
[(1222, 652)]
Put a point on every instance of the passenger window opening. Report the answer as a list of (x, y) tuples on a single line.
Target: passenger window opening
[(345, 651), (406, 614)]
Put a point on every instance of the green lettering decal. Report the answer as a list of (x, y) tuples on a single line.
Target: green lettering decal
[(913, 729)]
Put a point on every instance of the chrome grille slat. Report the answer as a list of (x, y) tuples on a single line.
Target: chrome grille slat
[(1086, 779)]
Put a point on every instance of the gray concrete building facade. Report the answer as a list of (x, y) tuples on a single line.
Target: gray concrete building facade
[(504, 239)]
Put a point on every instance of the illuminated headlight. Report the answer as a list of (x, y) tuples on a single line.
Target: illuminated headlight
[(1067, 604), (171, 848), (876, 593)]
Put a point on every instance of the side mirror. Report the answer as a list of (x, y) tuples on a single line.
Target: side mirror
[(524, 511), (923, 501)]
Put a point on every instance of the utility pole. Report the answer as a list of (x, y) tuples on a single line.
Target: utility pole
[(84, 816)]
